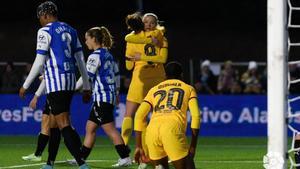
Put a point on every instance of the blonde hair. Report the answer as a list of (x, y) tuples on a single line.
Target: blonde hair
[(102, 36)]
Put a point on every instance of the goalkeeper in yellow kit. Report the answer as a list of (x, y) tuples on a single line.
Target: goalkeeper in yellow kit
[(165, 133), (146, 52)]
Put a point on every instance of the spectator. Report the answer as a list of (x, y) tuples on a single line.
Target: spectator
[(227, 78), (251, 79), (10, 79), (236, 87), (206, 81)]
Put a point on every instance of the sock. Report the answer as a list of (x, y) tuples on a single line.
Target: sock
[(122, 150), (73, 143), (41, 144), (85, 152), (297, 153), (53, 146), (126, 129)]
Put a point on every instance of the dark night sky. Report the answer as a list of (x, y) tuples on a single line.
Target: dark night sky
[(214, 29)]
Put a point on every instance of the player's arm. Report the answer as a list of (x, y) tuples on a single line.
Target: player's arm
[(139, 38), (195, 122), (128, 62), (155, 38), (79, 84), (139, 119), (43, 43), (41, 90), (91, 67), (117, 76), (81, 66)]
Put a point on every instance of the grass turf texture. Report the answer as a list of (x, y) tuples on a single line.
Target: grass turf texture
[(212, 153)]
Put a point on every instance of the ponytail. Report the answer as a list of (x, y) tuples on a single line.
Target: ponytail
[(102, 36)]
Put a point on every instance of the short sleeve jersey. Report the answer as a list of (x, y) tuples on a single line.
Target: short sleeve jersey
[(102, 71)]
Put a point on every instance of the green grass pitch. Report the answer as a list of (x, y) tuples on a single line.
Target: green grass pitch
[(212, 153)]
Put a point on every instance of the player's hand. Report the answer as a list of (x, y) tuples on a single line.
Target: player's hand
[(86, 96), (138, 154), (156, 42), (137, 56), (22, 92), (33, 102), (130, 58)]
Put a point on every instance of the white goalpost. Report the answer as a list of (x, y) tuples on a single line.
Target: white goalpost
[(277, 85)]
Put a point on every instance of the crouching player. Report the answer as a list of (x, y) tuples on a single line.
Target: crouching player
[(165, 133)]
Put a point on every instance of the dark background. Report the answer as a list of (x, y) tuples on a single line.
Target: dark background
[(216, 30)]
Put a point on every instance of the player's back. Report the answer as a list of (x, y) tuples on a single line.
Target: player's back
[(169, 100), (63, 43), (60, 66)]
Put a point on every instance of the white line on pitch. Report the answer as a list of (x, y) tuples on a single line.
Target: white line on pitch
[(109, 145), (95, 161)]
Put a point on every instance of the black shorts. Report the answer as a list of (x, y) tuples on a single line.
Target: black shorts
[(46, 108), (102, 113), (60, 101)]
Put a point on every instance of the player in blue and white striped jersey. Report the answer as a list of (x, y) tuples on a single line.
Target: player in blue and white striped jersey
[(58, 48), (102, 70)]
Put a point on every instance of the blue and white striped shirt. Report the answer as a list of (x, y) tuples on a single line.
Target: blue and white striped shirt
[(59, 43), (101, 69)]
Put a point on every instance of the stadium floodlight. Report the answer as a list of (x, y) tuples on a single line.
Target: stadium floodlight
[(277, 85)]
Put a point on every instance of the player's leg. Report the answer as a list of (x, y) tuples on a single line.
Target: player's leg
[(297, 153), (105, 112), (161, 162), (89, 139), (43, 137), (60, 107), (175, 143), (127, 125), (54, 140), (71, 137), (190, 163), (181, 163), (155, 147), (122, 150)]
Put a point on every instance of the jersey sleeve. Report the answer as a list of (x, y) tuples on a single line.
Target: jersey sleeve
[(43, 41), (42, 88), (140, 115), (194, 110), (129, 64), (149, 98), (78, 47), (92, 65), (117, 75)]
